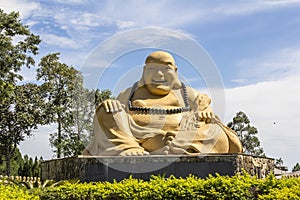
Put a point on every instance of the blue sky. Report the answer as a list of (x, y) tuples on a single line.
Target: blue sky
[(254, 44)]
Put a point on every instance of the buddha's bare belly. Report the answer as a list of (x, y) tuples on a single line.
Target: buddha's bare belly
[(164, 122)]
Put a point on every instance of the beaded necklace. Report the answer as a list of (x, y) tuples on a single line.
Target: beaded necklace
[(159, 110)]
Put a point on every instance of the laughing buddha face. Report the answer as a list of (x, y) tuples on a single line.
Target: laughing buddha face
[(160, 73)]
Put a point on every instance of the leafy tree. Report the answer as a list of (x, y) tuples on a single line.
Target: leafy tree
[(95, 97), (296, 168), (247, 134), (14, 52), (15, 162), (37, 170), (17, 46), (68, 104), (26, 168), (101, 96), (30, 168), (59, 87), (79, 128), (22, 115)]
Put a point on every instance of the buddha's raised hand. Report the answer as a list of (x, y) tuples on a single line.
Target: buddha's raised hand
[(112, 105)]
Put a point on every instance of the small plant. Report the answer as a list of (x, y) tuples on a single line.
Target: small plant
[(32, 182)]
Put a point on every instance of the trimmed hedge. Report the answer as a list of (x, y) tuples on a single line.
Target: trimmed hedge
[(213, 187), (15, 192)]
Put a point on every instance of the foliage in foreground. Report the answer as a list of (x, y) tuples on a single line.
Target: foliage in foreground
[(219, 187), (15, 192)]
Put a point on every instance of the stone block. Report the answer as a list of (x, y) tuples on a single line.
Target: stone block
[(110, 168)]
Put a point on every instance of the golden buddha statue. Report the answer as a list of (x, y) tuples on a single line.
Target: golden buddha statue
[(159, 115)]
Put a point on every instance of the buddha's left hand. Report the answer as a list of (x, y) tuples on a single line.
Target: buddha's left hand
[(206, 116)]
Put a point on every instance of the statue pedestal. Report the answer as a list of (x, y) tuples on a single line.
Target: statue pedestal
[(109, 168)]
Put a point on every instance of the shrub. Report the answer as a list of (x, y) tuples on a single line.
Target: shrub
[(213, 187), (15, 192)]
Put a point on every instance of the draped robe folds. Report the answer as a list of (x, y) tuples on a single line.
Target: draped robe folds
[(119, 131)]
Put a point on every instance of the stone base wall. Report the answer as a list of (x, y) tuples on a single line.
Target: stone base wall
[(109, 168)]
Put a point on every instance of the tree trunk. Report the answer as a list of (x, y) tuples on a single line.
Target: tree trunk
[(78, 123), (59, 137), (7, 155)]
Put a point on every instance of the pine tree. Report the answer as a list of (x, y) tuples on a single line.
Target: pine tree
[(247, 134), (296, 168)]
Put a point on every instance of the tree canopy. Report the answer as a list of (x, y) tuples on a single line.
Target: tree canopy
[(17, 45), (18, 113), (247, 134), (68, 104), (59, 88)]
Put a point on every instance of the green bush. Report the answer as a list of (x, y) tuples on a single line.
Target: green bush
[(286, 188), (15, 192), (218, 187), (213, 187)]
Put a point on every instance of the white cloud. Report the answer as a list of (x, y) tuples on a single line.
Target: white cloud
[(241, 80), (273, 107), (112, 16), (282, 2), (71, 1), (61, 42), (26, 8), (179, 13), (275, 65), (132, 40), (86, 19), (108, 17), (249, 7), (273, 103), (125, 24)]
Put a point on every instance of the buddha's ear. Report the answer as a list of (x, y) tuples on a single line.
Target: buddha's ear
[(141, 82), (176, 69)]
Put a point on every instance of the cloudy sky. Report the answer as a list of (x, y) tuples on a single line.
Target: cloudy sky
[(252, 48)]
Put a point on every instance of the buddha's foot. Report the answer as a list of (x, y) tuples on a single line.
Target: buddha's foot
[(134, 152)]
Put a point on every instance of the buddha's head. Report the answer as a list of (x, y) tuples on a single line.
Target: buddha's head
[(160, 73)]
